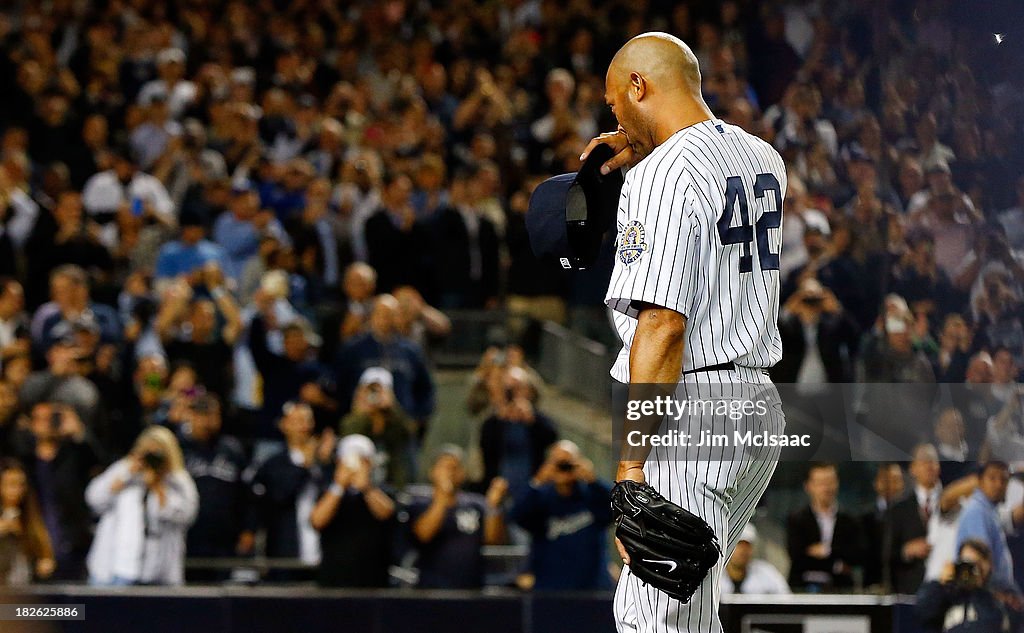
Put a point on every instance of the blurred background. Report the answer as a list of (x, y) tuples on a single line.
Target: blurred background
[(269, 317)]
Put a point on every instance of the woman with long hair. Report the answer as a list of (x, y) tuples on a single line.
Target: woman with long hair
[(146, 503), (25, 550)]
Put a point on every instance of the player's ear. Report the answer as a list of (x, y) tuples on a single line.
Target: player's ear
[(637, 85)]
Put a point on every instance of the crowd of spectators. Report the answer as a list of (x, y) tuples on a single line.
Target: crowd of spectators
[(230, 232)]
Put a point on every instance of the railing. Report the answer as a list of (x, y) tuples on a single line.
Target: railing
[(575, 364), (501, 564), (472, 332)]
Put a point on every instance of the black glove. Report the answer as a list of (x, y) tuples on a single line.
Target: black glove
[(668, 546)]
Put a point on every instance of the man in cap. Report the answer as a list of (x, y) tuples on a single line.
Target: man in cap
[(354, 518), (179, 92), (216, 463), (566, 509), (377, 415)]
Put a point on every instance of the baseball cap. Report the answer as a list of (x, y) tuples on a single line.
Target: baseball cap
[(170, 55), (449, 450), (815, 223), (377, 375), (243, 75), (355, 446), (749, 534), (938, 166), (570, 213), (895, 325)]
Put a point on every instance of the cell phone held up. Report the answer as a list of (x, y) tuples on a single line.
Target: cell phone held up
[(154, 460)]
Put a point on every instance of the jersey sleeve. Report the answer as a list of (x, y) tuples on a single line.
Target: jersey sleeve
[(655, 248)]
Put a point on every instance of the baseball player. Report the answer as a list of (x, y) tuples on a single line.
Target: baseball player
[(695, 294)]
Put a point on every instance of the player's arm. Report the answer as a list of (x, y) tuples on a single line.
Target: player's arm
[(655, 358)]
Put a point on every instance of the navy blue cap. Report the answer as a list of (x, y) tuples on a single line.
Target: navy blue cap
[(570, 213)]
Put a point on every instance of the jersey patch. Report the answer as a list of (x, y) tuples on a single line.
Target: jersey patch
[(633, 242)]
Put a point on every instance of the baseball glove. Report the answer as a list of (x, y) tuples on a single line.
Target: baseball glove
[(668, 546)]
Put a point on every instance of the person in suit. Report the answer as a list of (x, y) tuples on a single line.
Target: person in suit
[(889, 488), (394, 237), (909, 545), (464, 256), (824, 543)]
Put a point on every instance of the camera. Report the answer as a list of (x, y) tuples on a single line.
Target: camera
[(56, 419), (565, 467), (966, 575), (373, 394), (154, 460)]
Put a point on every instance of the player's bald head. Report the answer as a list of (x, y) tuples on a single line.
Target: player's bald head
[(663, 60)]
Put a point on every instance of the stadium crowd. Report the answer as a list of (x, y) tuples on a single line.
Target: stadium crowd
[(230, 232)]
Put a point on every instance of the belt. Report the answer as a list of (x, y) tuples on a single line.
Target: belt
[(719, 367)]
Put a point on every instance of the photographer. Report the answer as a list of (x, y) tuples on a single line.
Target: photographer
[(377, 415), (515, 438), (566, 510), (146, 503), (819, 336), (961, 601)]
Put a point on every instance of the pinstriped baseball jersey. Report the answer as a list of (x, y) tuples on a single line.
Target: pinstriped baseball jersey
[(699, 231)]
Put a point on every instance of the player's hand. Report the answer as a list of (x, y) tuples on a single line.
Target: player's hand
[(619, 142)]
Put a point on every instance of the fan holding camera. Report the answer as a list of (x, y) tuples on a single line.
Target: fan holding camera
[(515, 438), (820, 337), (566, 510), (961, 601), (146, 503), (377, 415)]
